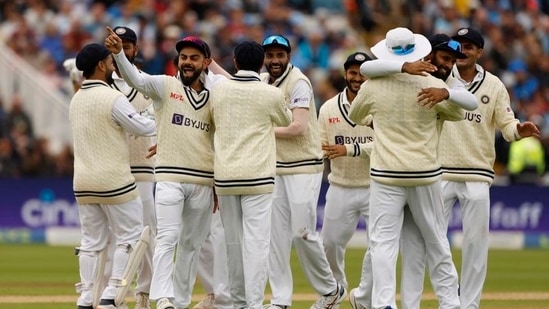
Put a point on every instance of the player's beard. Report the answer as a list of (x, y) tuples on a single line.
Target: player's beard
[(441, 72), (274, 74), (187, 81), (109, 78), (349, 84)]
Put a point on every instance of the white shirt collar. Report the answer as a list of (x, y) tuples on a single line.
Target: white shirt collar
[(478, 77)]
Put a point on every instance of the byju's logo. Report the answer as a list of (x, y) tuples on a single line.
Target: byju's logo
[(178, 119), (339, 140)]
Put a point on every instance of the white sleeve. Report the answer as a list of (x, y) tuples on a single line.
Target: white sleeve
[(301, 95), (380, 67), (150, 85), (460, 96), (128, 118)]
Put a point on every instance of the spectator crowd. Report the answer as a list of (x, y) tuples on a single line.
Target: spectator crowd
[(45, 33)]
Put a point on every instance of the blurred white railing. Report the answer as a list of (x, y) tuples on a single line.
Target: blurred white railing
[(47, 106)]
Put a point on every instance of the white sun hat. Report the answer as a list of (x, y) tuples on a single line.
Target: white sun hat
[(402, 44)]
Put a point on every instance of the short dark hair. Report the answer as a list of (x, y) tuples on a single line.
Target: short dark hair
[(249, 55)]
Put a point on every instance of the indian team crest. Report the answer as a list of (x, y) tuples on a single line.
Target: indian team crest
[(485, 99), (120, 31), (463, 31), (360, 57)]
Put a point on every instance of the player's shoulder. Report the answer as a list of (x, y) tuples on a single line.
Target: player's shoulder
[(492, 78), (433, 81)]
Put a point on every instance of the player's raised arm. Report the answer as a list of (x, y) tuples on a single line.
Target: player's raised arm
[(150, 85)]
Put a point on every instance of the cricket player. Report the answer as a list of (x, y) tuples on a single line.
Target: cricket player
[(438, 63), (467, 156), (141, 167), (103, 184), (184, 163), (299, 164), (246, 112), (344, 144), (405, 133)]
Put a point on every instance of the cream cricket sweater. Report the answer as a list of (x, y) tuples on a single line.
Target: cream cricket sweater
[(299, 155), (405, 133), (141, 167), (101, 159), (337, 128), (245, 112), (466, 148), (184, 135)]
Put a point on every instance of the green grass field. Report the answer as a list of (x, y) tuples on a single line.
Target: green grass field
[(38, 276)]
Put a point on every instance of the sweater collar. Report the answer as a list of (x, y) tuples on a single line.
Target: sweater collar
[(91, 83), (245, 75)]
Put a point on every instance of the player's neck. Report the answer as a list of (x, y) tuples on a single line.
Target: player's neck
[(350, 95), (468, 73), (197, 85)]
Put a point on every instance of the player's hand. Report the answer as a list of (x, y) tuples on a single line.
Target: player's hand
[(430, 97), (334, 151), (527, 129), (113, 42), (152, 151), (418, 67)]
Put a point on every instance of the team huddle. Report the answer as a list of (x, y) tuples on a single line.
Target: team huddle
[(235, 162)]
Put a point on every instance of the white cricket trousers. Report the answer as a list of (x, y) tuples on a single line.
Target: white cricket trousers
[(212, 265), (247, 224), (386, 219), (183, 213), (97, 221), (343, 208), (474, 201), (144, 274), (294, 221)]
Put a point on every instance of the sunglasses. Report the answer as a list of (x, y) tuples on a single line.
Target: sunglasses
[(276, 39), (453, 44), (403, 50)]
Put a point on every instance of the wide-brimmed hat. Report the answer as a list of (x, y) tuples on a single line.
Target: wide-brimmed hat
[(403, 45)]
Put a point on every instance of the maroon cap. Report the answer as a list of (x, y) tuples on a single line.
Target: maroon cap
[(196, 42)]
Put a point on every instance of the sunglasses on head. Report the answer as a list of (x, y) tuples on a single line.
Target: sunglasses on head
[(276, 39), (403, 50), (453, 44)]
